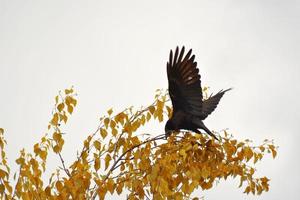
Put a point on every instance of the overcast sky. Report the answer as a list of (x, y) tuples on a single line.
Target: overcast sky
[(115, 53)]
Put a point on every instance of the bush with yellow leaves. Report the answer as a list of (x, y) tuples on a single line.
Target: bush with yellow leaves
[(116, 158)]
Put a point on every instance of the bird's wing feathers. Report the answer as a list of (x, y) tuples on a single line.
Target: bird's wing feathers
[(184, 83), (210, 104)]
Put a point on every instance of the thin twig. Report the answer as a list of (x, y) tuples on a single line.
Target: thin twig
[(63, 164), (114, 166)]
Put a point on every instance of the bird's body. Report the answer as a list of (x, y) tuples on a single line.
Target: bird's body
[(189, 109)]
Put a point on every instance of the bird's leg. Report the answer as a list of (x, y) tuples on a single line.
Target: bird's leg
[(198, 124), (209, 132)]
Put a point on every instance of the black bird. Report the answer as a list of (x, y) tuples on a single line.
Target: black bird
[(189, 108)]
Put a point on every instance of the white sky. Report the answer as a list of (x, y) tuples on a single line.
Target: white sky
[(115, 53)]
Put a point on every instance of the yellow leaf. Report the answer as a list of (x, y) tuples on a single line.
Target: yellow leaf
[(61, 143), (103, 133), (111, 147), (36, 149), (148, 116), (160, 116), (102, 192), (59, 186), (135, 140), (70, 109), (3, 174), (20, 161), (112, 124), (70, 101), (182, 153), (160, 105), (2, 189), (110, 185), (73, 101), (264, 179), (19, 187), (107, 160), (247, 190), (143, 119), (25, 196), (56, 149), (274, 153), (260, 156), (110, 111), (164, 187), (43, 155), (151, 109), (64, 117), (119, 188), (97, 145), (106, 122), (97, 164), (252, 171), (114, 132), (233, 142), (135, 125), (242, 179), (120, 118), (262, 148), (60, 107), (255, 158), (68, 91), (205, 172), (169, 111), (56, 136), (8, 187), (54, 120), (248, 153), (178, 196), (122, 167), (87, 142), (259, 189), (48, 191)]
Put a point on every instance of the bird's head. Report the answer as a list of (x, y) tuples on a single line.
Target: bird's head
[(169, 128)]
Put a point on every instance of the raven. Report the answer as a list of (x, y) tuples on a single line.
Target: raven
[(189, 108)]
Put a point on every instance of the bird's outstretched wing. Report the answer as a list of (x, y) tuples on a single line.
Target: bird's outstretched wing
[(184, 83), (210, 104)]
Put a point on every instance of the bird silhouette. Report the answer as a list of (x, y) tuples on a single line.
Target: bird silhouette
[(189, 108)]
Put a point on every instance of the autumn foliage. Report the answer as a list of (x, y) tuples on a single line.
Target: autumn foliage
[(118, 158)]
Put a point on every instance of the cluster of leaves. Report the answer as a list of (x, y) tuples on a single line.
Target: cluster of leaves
[(29, 182), (118, 158)]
